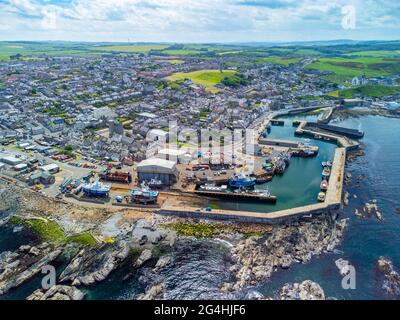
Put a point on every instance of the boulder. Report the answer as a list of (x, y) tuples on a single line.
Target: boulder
[(94, 264), (391, 283), (307, 290), (343, 266), (162, 263), (58, 292), (145, 256)]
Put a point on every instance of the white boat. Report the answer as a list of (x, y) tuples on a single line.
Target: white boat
[(213, 187), (321, 196)]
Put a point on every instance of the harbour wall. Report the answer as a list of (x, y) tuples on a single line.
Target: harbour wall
[(351, 133), (341, 141)]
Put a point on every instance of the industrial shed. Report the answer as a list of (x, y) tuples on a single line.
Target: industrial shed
[(158, 169), (11, 160), (175, 155)]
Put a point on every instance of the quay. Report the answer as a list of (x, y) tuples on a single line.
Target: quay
[(340, 140), (278, 143), (238, 196), (276, 122), (292, 145), (331, 204), (350, 133)]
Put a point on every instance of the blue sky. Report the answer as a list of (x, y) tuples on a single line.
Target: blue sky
[(198, 20)]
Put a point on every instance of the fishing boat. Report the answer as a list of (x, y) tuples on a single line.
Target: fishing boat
[(321, 196), (213, 187), (286, 158), (264, 178), (263, 193), (154, 183), (326, 173), (305, 153), (326, 164), (280, 166), (324, 185), (268, 166), (242, 181), (144, 195), (96, 189)]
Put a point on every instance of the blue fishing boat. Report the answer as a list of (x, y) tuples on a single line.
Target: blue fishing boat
[(96, 189), (242, 181), (144, 195)]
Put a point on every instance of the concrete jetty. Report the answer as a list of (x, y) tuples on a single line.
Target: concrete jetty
[(340, 140), (350, 133), (238, 196)]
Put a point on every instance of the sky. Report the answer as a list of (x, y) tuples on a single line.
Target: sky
[(197, 21)]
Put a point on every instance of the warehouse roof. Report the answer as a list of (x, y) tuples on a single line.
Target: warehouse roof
[(11, 160), (172, 152), (50, 167), (156, 165)]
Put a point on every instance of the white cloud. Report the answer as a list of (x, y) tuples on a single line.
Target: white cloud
[(192, 20)]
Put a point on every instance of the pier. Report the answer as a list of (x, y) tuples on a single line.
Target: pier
[(312, 132), (350, 133), (276, 122), (292, 145), (238, 196), (278, 143)]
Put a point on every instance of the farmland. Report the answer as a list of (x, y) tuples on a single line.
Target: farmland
[(135, 48), (278, 60), (343, 69), (375, 91), (205, 78)]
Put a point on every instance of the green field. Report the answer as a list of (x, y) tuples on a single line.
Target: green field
[(375, 91), (343, 69), (205, 78), (173, 61), (379, 54), (134, 48), (29, 49), (278, 60)]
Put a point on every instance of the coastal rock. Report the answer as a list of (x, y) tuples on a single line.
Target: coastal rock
[(307, 290), (154, 293), (370, 209), (391, 283), (286, 261), (343, 266), (94, 264), (346, 198), (58, 292), (255, 259), (163, 262), (22, 265), (145, 256)]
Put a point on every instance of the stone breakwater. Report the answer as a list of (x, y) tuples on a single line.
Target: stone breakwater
[(255, 259)]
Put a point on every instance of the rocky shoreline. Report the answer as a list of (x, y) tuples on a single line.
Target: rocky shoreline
[(144, 242), (255, 259)]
